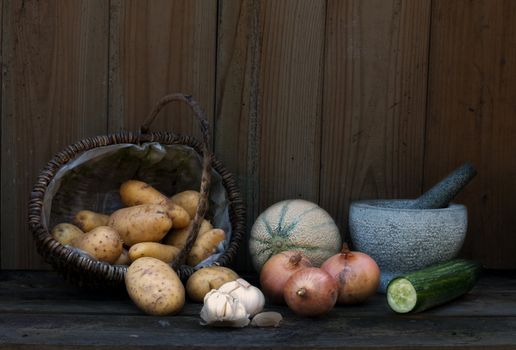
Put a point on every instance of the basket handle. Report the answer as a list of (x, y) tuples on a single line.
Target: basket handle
[(193, 228)]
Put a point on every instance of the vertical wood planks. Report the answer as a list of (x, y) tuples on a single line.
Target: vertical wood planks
[(160, 47), (1, 115), (290, 98), (236, 116), (269, 85), (322, 100), (471, 118), (53, 93), (374, 102)]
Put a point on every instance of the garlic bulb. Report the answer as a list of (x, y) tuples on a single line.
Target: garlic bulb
[(223, 310), (251, 297)]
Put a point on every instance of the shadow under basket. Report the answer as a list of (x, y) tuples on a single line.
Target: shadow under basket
[(87, 176)]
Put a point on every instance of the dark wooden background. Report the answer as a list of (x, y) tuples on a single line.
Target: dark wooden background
[(330, 101)]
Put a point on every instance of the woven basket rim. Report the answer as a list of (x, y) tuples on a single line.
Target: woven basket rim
[(70, 262)]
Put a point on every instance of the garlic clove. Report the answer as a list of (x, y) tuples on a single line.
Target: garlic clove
[(267, 319), (223, 310), (249, 295)]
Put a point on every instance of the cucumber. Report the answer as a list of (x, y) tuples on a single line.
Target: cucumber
[(432, 286)]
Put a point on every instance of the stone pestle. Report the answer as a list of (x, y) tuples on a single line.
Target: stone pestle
[(443, 192)]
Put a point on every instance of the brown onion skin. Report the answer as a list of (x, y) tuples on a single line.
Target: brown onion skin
[(357, 275), (277, 270), (311, 292)]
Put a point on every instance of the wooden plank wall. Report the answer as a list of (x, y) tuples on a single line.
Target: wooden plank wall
[(54, 67), (326, 100), (472, 115)]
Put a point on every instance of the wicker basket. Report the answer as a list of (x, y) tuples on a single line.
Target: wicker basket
[(85, 271)]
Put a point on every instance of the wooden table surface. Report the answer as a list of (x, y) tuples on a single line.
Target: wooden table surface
[(38, 310)]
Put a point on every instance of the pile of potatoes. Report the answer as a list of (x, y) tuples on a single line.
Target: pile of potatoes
[(150, 225), (147, 234)]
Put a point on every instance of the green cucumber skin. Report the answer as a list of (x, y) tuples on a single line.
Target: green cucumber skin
[(438, 284)]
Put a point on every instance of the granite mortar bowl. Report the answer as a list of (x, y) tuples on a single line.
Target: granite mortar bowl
[(401, 240)]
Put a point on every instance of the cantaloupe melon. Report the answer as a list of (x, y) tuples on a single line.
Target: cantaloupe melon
[(294, 225)]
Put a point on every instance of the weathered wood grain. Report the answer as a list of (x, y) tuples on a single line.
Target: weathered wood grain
[(322, 100), (236, 113), (156, 48), (471, 118), (47, 293), (329, 332), (38, 310), (476, 304), (53, 93), (269, 82), (268, 99), (374, 102), (290, 100), (1, 94)]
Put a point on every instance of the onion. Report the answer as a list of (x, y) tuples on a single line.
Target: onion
[(356, 274), (278, 269), (311, 292)]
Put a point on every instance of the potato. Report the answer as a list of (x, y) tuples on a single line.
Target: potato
[(87, 220), (135, 192), (189, 200), (179, 216), (205, 246), (123, 259), (103, 243), (178, 238), (206, 279), (64, 233), (154, 287), (163, 252), (141, 223)]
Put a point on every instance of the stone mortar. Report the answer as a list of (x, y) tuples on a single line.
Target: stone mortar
[(401, 240)]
